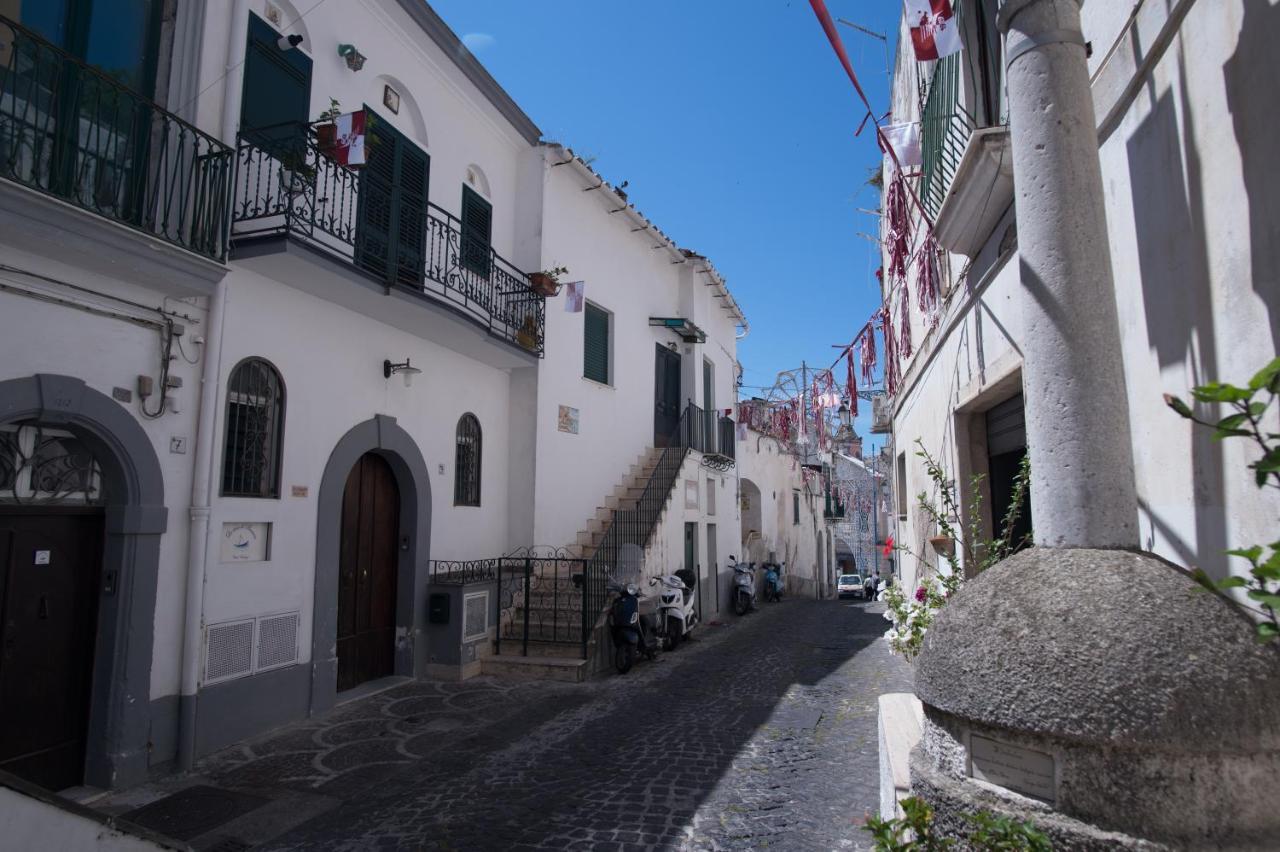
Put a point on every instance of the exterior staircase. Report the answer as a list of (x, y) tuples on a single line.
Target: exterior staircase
[(554, 601)]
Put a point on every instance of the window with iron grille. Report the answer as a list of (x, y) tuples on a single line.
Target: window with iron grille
[(477, 232), (466, 467), (254, 431), (595, 334)]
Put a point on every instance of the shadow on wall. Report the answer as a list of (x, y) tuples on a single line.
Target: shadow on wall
[(1168, 209), (1253, 91)]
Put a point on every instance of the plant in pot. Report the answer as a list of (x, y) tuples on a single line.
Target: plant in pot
[(296, 174), (547, 282), (527, 336)]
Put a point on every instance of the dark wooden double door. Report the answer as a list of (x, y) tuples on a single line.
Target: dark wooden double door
[(50, 570), (367, 570)]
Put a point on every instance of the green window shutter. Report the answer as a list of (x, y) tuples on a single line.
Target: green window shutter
[(477, 231), (276, 101), (392, 216), (596, 344)]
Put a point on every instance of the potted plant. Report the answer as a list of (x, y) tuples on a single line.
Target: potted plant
[(527, 336), (944, 545), (296, 174), (327, 128), (547, 282)]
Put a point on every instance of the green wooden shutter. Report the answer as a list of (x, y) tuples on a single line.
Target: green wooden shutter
[(392, 216), (276, 101), (477, 231), (596, 349)]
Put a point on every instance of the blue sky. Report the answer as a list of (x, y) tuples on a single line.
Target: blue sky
[(734, 124)]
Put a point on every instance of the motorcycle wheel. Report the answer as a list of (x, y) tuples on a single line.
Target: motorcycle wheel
[(624, 658), (741, 604), (674, 634)]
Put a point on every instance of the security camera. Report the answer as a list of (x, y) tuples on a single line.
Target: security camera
[(289, 42)]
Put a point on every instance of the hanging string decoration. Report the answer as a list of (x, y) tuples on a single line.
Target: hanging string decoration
[(851, 385), (904, 327), (867, 352), (898, 220), (890, 352), (927, 276)]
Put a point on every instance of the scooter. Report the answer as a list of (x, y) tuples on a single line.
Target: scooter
[(744, 586), (677, 607), (773, 583), (631, 632)]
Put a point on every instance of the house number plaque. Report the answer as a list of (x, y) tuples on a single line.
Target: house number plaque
[(1015, 768)]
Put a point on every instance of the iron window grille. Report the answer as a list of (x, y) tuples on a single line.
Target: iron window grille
[(466, 482), (39, 465), (254, 431)]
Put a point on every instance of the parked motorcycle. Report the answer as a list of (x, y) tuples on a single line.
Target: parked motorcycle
[(632, 633), (744, 586), (773, 582), (677, 607)]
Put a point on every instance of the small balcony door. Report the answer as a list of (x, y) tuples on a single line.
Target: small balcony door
[(666, 395)]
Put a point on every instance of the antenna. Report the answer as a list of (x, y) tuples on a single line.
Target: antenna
[(867, 31)]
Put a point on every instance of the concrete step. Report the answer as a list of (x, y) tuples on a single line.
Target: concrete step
[(564, 669), (510, 647)]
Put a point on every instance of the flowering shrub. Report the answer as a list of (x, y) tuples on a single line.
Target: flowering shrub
[(912, 615)]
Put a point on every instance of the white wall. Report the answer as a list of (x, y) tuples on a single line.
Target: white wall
[(764, 461), (1191, 218), (331, 361), (105, 352)]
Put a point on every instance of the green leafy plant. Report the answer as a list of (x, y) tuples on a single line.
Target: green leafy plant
[(1249, 406), (912, 613), (914, 832)]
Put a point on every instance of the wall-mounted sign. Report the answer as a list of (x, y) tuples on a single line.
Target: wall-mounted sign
[(42, 557), (1022, 770), (391, 99), (568, 421), (298, 490), (246, 541)]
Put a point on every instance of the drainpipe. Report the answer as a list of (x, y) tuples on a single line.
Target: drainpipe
[(202, 475), (1082, 484)]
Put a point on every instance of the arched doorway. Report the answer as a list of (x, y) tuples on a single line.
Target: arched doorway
[(367, 572), (377, 444), (81, 515)]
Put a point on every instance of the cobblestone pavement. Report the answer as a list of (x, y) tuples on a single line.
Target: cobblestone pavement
[(762, 734)]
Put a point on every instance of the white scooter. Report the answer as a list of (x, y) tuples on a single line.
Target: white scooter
[(744, 586), (677, 606)]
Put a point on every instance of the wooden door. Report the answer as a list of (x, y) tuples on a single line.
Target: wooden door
[(367, 568), (666, 395), (50, 565)]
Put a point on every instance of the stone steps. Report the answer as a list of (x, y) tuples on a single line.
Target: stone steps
[(563, 669)]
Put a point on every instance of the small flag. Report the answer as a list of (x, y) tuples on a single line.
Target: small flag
[(574, 296), (905, 141), (934, 31), (349, 150)]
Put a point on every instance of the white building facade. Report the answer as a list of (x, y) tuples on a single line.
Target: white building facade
[(235, 495), (1181, 131)]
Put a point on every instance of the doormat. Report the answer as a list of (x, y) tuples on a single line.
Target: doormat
[(190, 813)]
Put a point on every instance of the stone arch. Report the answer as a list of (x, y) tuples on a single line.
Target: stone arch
[(120, 709), (382, 435), (478, 180), (409, 120), (752, 521), (292, 22)]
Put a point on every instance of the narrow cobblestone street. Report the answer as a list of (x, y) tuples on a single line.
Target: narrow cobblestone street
[(760, 735)]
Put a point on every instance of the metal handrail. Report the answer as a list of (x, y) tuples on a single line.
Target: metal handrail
[(297, 189), (73, 132)]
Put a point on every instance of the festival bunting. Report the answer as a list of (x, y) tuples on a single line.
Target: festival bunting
[(935, 33)]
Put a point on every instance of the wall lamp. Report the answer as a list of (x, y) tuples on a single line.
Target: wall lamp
[(355, 59), (289, 42), (389, 370)]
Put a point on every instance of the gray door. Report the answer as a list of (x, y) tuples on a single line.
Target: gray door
[(711, 578)]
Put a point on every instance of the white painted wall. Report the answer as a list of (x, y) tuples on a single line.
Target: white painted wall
[(1190, 212), (27, 822), (764, 462), (107, 353)]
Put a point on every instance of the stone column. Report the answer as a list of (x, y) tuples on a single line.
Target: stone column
[(1082, 485)]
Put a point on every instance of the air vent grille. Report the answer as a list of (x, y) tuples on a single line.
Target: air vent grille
[(277, 640), (475, 615), (228, 650)]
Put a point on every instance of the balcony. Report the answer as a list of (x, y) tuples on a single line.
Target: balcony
[(966, 179), (298, 192), (72, 133)]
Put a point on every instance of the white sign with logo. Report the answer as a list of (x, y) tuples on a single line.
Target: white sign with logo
[(246, 541)]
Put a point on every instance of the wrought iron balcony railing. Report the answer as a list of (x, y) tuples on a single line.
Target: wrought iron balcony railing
[(296, 189), (75, 133), (945, 128)]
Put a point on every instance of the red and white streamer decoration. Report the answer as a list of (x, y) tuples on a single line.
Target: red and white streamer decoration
[(935, 32), (927, 260)]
